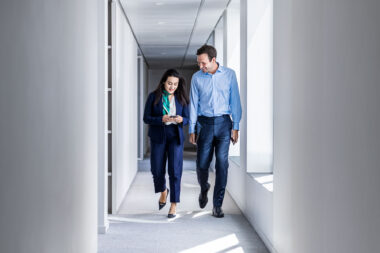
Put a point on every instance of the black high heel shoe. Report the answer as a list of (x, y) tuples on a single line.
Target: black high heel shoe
[(171, 215), (162, 204)]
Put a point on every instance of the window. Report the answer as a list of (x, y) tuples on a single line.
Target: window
[(260, 86)]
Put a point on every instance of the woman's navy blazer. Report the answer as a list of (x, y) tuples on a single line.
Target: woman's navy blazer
[(153, 117)]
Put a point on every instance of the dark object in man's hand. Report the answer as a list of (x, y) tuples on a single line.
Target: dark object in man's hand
[(173, 116)]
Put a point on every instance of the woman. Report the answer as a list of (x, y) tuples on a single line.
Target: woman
[(166, 112)]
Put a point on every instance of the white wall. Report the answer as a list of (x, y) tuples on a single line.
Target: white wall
[(219, 39), (102, 116), (142, 90), (253, 193), (233, 37), (124, 104), (259, 205), (327, 121), (232, 58), (145, 96), (48, 127), (248, 191)]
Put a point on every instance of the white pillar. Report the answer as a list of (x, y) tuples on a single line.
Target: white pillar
[(243, 83), (103, 117), (48, 126), (327, 121)]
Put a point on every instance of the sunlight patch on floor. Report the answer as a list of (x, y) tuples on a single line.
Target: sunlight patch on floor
[(202, 213), (217, 245), (125, 219)]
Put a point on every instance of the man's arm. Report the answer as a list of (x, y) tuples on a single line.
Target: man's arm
[(193, 110), (193, 106), (235, 104)]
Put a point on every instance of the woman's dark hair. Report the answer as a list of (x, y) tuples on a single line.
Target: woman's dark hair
[(180, 92)]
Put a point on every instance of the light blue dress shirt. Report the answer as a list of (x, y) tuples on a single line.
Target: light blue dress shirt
[(214, 95)]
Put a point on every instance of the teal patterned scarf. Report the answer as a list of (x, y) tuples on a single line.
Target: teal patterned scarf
[(165, 102)]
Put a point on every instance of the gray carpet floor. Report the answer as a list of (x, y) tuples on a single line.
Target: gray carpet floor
[(140, 227)]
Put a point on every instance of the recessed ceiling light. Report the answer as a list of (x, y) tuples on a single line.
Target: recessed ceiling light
[(159, 3), (163, 53), (161, 23)]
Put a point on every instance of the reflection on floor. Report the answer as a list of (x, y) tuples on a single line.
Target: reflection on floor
[(140, 227)]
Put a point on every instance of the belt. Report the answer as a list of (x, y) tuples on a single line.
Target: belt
[(213, 120)]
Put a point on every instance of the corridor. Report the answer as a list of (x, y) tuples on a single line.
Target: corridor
[(303, 176), (139, 227)]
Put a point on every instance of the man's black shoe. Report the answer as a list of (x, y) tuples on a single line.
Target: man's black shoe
[(203, 197), (217, 212)]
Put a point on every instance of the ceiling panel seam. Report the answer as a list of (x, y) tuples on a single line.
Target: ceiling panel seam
[(133, 33), (219, 19), (192, 31)]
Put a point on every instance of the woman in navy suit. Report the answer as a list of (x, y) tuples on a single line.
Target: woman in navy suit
[(166, 112)]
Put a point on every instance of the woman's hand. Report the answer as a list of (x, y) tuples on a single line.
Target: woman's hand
[(178, 119), (166, 118)]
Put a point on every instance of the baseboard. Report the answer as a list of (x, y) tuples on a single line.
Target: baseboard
[(266, 241), (103, 229)]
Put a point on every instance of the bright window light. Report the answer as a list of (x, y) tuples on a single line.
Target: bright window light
[(269, 186), (217, 245), (202, 213), (266, 181), (236, 250), (120, 219), (260, 87)]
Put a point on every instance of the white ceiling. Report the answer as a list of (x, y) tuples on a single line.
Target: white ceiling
[(167, 29)]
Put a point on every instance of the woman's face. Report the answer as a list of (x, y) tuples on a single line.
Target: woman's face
[(171, 84)]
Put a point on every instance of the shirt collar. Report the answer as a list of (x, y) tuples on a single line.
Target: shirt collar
[(220, 69)]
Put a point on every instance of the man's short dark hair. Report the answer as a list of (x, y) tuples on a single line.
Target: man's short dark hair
[(207, 49)]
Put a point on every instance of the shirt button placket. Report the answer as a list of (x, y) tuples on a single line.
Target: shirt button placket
[(213, 95)]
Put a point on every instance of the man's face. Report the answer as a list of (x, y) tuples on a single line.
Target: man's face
[(204, 63)]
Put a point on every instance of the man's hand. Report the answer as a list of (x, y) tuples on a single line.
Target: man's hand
[(193, 138), (234, 136)]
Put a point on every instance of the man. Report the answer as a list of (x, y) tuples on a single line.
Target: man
[(214, 97)]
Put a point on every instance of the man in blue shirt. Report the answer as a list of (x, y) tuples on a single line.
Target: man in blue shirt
[(214, 99)]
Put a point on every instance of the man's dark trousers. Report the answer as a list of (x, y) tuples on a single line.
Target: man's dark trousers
[(213, 133)]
